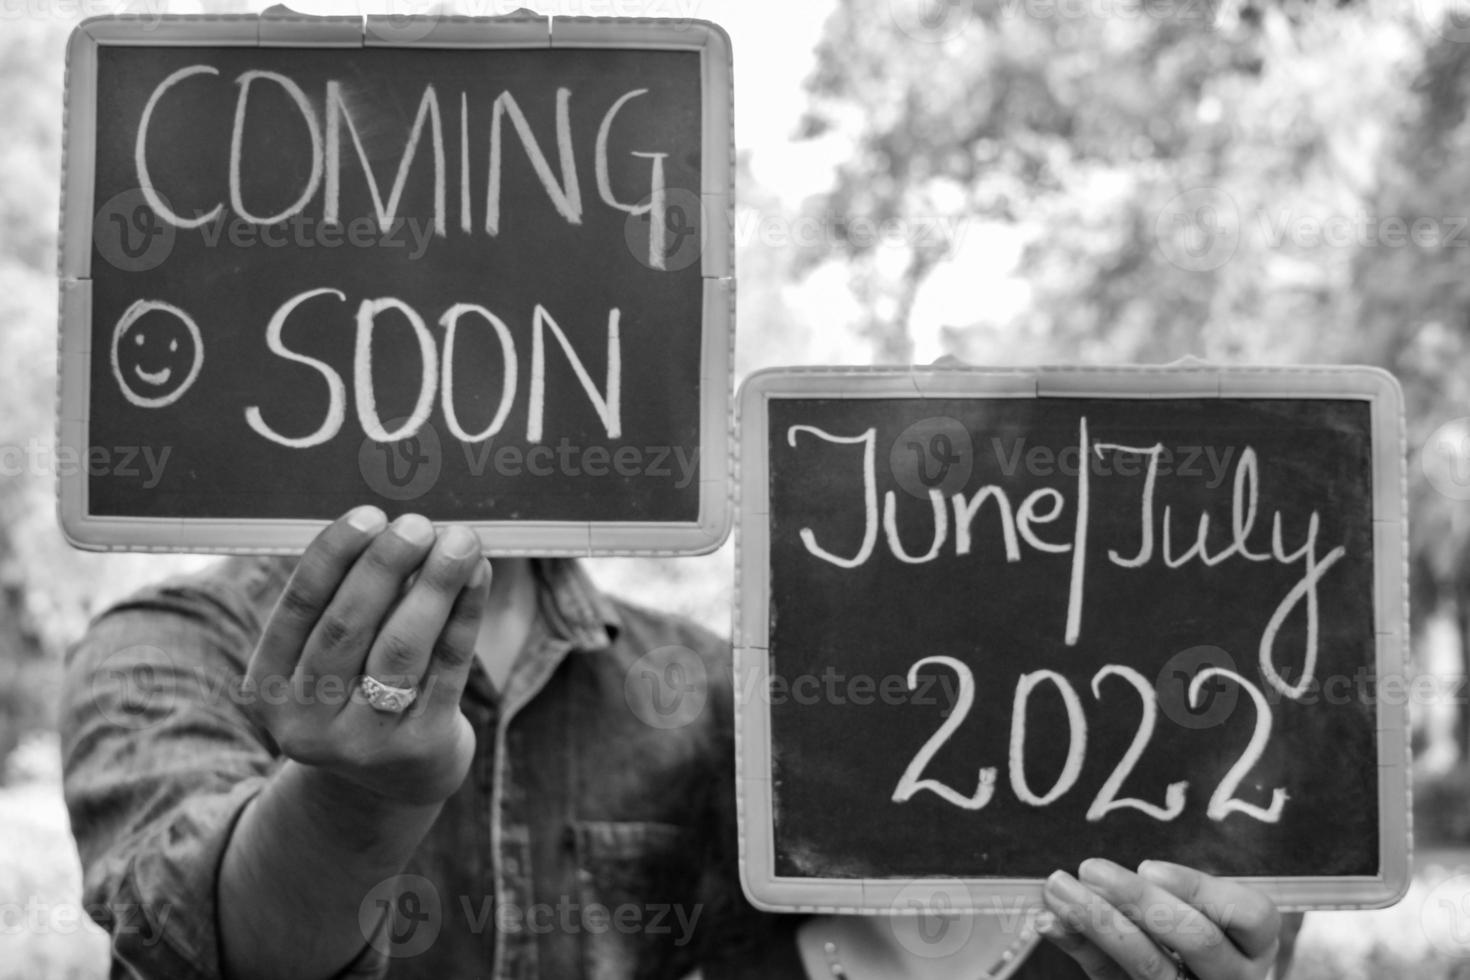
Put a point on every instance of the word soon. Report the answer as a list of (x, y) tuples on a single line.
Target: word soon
[(1223, 801), (435, 376)]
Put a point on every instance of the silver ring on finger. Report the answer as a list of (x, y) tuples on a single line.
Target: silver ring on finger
[(385, 697)]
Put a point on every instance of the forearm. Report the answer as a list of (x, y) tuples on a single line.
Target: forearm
[(302, 858)]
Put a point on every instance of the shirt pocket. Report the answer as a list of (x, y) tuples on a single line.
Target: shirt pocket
[(639, 892)]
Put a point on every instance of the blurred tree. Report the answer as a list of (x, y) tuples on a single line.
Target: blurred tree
[(1186, 177)]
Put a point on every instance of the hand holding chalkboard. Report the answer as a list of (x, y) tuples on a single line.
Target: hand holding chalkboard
[(1115, 919), (370, 605), (1018, 619)]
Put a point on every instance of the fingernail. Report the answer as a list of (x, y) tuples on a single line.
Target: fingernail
[(367, 518), (1047, 924), (1158, 872), (480, 574), (1067, 889), (460, 542), (414, 528), (1103, 873)]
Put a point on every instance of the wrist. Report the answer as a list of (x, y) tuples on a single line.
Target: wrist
[(352, 813)]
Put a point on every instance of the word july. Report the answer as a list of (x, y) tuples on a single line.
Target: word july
[(1029, 521)]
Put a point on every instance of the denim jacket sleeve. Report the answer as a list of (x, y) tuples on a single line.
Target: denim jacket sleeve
[(161, 758)]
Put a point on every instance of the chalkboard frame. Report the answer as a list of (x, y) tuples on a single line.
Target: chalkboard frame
[(751, 621), (280, 27)]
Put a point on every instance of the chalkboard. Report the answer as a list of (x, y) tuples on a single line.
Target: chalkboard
[(474, 268), (965, 657)]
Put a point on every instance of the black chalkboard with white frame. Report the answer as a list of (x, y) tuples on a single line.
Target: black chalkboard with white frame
[(474, 267), (993, 623)]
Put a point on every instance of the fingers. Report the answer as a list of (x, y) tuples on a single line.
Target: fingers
[(1093, 961), (339, 642), (1118, 924), (400, 653), (449, 664), (1090, 917), (313, 584), (1171, 922), (1248, 917)]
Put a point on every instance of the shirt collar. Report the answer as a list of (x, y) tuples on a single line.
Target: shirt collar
[(573, 608)]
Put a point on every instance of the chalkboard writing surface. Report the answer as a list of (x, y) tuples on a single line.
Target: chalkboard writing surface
[(477, 268), (965, 657)]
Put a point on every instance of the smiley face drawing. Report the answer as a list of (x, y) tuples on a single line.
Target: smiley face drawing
[(155, 361)]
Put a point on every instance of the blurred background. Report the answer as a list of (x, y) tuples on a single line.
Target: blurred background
[(1009, 181)]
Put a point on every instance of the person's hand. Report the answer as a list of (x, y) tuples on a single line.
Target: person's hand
[(1165, 922), (398, 603)]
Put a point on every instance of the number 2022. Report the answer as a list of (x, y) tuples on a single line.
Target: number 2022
[(1222, 802)]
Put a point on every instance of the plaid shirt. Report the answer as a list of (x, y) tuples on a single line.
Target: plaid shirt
[(594, 835)]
